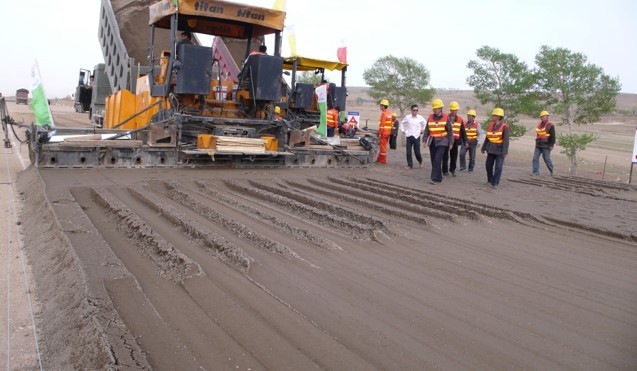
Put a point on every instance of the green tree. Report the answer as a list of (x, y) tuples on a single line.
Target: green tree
[(402, 81), (566, 84), (308, 77), (504, 81)]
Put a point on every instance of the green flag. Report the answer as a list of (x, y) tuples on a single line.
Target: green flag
[(39, 104)]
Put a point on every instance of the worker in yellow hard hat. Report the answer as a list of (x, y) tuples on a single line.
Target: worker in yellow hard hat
[(277, 113), (384, 130), (496, 145), (450, 159), (438, 136), (473, 132), (544, 142)]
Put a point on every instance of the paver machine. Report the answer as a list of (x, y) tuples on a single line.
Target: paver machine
[(185, 109)]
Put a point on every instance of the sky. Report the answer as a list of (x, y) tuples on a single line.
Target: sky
[(442, 36)]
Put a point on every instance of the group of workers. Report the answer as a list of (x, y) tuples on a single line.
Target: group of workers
[(447, 135)]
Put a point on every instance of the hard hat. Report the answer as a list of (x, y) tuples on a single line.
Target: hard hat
[(393, 114), (544, 113), (277, 109), (454, 106), (437, 103), (472, 112), (498, 112), (384, 102)]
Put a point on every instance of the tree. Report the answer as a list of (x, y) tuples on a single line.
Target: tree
[(566, 84), (402, 81), (308, 77), (504, 81)]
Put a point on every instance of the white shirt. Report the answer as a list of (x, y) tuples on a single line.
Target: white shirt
[(412, 125)]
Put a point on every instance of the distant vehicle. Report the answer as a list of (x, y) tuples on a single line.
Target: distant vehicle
[(83, 92), (22, 96), (101, 90)]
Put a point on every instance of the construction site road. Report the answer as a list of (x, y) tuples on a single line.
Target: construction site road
[(338, 269)]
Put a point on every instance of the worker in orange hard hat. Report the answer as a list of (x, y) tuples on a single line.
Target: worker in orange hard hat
[(474, 132), (450, 160), (438, 136), (544, 142), (384, 130), (496, 145)]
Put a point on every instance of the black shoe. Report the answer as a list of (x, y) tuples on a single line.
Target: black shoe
[(453, 174), (445, 174), (462, 169)]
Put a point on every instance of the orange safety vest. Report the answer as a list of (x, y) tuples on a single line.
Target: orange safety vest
[(437, 129), (456, 127), (332, 118), (471, 129), (385, 123), (542, 130), (495, 136)]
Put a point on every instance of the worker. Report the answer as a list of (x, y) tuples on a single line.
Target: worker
[(438, 136), (450, 159), (394, 131), (413, 126), (332, 121), (384, 130), (186, 39), (263, 50), (496, 145), (277, 113), (473, 132), (544, 142)]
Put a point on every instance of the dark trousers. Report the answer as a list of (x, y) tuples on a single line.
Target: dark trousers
[(330, 131), (392, 141), (494, 165), (415, 143), (437, 153), (471, 149), (450, 159)]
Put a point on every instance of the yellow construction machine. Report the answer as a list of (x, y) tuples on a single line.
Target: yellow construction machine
[(195, 105)]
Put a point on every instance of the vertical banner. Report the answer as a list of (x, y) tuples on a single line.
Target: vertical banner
[(39, 103), (321, 100), (292, 40), (634, 161)]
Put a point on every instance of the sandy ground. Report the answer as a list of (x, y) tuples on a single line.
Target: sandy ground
[(330, 269)]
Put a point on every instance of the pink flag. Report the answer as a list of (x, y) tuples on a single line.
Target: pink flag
[(341, 54)]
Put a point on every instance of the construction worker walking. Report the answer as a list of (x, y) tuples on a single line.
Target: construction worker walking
[(438, 136), (450, 159), (496, 145), (384, 130), (544, 142), (473, 132)]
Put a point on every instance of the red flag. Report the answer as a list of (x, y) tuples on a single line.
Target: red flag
[(341, 54)]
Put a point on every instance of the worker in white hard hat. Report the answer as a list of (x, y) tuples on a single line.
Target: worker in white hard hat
[(496, 145), (384, 130), (544, 142)]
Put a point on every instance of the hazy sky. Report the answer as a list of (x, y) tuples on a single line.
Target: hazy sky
[(441, 35)]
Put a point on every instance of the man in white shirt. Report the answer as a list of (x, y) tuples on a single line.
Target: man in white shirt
[(413, 126)]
